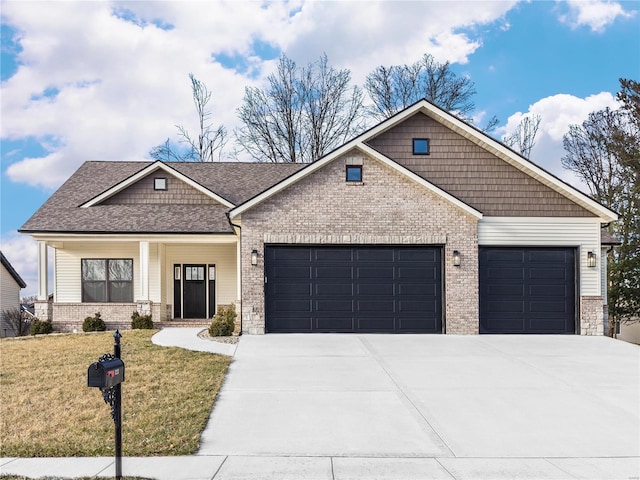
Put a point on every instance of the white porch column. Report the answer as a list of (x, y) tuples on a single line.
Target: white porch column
[(144, 271), (43, 272)]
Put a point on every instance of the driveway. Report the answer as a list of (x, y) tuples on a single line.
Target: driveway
[(420, 397)]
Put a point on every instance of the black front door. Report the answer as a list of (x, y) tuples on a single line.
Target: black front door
[(195, 292)]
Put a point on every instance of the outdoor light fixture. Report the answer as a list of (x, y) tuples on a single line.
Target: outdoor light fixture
[(591, 259), (456, 258), (254, 257)]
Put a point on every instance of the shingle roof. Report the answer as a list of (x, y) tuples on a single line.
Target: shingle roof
[(237, 182), (608, 239)]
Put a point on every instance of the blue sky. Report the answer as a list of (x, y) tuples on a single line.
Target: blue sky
[(109, 80)]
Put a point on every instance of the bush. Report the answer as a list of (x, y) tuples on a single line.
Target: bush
[(40, 327), (141, 322), (223, 321), (94, 324)]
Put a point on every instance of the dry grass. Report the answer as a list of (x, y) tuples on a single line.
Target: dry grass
[(47, 410)]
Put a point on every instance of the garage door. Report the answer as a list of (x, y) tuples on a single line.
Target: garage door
[(527, 290), (353, 289)]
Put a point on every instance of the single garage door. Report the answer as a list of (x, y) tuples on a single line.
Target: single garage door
[(353, 289), (527, 290)]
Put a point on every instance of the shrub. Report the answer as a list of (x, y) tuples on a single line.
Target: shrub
[(223, 321), (94, 324), (40, 327), (142, 322)]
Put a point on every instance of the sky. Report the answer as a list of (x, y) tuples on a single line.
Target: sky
[(109, 80)]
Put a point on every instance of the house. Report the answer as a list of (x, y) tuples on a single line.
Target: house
[(421, 224), (10, 285)]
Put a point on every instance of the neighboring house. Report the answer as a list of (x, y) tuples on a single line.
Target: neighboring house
[(10, 285), (421, 224)]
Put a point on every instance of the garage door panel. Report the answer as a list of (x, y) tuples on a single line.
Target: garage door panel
[(417, 272), (292, 305), (375, 324), (290, 254), (417, 306), (375, 289), (417, 289), (548, 307), (290, 272), (334, 254), (357, 289), (549, 274), (527, 290), (376, 273), (293, 289), (505, 273), (368, 306), (332, 289), (334, 272), (505, 290), (375, 254), (333, 323), (334, 305), (548, 291)]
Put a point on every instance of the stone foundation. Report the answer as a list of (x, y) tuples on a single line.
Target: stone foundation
[(591, 315)]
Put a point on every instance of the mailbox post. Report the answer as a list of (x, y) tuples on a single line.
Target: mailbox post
[(107, 374)]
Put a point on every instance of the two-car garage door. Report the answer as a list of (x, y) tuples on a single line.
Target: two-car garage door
[(353, 289)]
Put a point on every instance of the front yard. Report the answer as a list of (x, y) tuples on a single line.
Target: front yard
[(47, 410)]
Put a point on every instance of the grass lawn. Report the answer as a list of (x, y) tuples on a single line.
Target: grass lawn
[(47, 410)]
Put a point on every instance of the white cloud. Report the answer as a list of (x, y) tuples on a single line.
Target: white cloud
[(596, 14), (22, 253), (100, 81), (557, 113)]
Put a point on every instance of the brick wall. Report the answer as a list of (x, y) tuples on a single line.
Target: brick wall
[(69, 316), (386, 208), (591, 316)]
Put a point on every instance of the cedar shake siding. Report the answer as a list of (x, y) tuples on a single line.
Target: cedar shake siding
[(471, 173), (142, 192)]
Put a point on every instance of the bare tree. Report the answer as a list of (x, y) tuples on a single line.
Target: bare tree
[(13, 322), (301, 115), (207, 146), (394, 88), (603, 152), (523, 137)]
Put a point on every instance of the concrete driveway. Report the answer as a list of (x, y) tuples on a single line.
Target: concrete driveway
[(493, 405)]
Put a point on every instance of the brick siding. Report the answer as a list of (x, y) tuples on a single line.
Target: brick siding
[(68, 317), (385, 208)]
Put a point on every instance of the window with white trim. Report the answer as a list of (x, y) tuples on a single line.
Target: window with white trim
[(107, 280)]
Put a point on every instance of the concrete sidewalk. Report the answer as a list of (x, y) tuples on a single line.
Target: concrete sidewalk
[(340, 407), (206, 467)]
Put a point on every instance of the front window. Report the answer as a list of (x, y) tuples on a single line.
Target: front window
[(107, 280)]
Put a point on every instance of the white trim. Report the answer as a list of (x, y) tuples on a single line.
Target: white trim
[(43, 271), (144, 271), (57, 240), (158, 165)]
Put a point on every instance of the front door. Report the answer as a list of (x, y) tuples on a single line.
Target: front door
[(195, 292)]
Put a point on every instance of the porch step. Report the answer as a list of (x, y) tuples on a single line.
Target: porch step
[(204, 323)]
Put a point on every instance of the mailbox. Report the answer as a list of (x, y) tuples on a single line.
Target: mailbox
[(106, 374)]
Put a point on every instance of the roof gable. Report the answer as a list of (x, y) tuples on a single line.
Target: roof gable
[(149, 170), (463, 129), (498, 149), (5, 263), (362, 147)]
